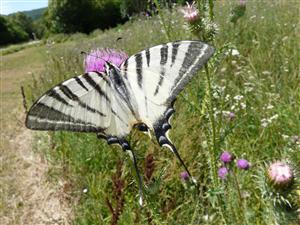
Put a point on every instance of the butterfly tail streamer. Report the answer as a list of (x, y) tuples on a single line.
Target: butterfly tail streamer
[(126, 147), (161, 130)]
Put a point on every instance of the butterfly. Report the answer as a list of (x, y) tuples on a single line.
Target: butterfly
[(138, 93)]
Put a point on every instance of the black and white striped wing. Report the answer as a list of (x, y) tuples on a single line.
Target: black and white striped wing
[(157, 75), (85, 103)]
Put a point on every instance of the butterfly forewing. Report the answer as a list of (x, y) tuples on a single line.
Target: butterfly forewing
[(85, 103)]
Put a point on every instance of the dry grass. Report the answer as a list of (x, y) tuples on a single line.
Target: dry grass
[(27, 197)]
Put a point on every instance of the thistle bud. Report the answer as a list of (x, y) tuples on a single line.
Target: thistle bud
[(243, 164), (226, 157), (223, 172)]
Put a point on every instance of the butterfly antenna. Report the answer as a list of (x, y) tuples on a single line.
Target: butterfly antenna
[(85, 53), (126, 147)]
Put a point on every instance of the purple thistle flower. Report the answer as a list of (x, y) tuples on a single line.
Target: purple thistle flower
[(280, 174), (243, 164), (226, 157), (242, 3), (223, 172), (190, 12), (295, 139), (231, 115), (184, 176), (95, 60)]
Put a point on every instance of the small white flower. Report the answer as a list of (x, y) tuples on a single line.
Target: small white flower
[(264, 122), (85, 190), (248, 89), (238, 97), (227, 97), (270, 106), (274, 117), (215, 95), (284, 136), (285, 38), (225, 113), (234, 52), (266, 72), (243, 105)]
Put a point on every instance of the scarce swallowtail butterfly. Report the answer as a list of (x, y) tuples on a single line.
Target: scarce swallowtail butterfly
[(139, 93)]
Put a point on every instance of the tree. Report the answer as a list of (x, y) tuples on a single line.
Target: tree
[(130, 7), (11, 32), (69, 16), (23, 21)]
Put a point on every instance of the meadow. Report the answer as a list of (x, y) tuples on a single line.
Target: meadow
[(250, 109)]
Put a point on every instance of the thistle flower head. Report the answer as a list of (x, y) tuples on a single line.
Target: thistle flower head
[(242, 3), (184, 176), (243, 164), (226, 157), (95, 60), (231, 115), (295, 139), (281, 174), (190, 12), (223, 172)]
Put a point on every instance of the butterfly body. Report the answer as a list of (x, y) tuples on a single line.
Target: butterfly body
[(139, 93)]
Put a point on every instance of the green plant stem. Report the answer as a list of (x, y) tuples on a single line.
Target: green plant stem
[(161, 15), (211, 9), (237, 186), (213, 149)]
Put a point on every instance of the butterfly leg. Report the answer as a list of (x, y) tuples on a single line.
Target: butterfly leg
[(126, 147)]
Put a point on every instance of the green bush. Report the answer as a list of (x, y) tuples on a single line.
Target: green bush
[(11, 32), (83, 16)]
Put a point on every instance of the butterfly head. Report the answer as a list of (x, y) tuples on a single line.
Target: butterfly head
[(101, 60)]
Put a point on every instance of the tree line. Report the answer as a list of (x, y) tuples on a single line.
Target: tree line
[(70, 16)]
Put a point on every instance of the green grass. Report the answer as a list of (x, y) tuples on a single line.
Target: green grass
[(266, 74)]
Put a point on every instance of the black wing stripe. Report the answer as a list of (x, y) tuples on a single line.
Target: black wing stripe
[(81, 83), (147, 52), (103, 77), (74, 97), (163, 61), (193, 50), (125, 66), (55, 115), (116, 114), (45, 124), (175, 46), (139, 66), (91, 82), (57, 97), (163, 55)]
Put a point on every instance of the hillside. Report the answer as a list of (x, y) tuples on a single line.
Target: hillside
[(35, 13)]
